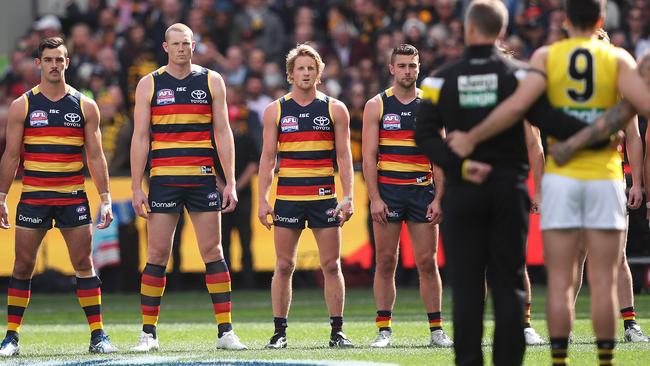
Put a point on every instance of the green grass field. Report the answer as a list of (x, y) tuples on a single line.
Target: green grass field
[(54, 331)]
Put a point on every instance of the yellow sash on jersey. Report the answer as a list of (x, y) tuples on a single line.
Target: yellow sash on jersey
[(582, 75)]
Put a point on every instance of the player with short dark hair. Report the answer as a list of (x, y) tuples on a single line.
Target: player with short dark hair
[(53, 123)]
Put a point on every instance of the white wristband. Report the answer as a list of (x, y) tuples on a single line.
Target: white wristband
[(647, 205)]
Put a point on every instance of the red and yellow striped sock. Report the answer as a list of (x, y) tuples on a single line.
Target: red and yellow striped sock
[(217, 280), (18, 295), (89, 294), (435, 321), (152, 287), (629, 317), (384, 320)]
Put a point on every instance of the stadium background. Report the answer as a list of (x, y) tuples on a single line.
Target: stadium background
[(113, 43)]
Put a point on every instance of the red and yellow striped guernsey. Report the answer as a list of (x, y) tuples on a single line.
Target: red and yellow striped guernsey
[(305, 149), (182, 151), (400, 160), (53, 140)]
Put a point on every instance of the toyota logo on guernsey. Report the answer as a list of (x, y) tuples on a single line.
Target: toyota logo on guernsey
[(321, 123), (198, 94), (72, 117)]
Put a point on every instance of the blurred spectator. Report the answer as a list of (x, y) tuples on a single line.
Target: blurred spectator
[(345, 46), (258, 23), (356, 100), (137, 60), (246, 158), (256, 101), (636, 29), (170, 12), (48, 26)]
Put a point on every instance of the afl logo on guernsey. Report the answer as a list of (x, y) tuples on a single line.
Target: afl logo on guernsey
[(289, 124), (165, 96), (38, 119), (392, 122), (321, 123)]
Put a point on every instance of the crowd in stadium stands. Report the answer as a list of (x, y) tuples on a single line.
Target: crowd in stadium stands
[(112, 47)]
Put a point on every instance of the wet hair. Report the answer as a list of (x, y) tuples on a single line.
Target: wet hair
[(52, 43)]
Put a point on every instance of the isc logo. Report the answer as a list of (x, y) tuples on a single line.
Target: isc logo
[(181, 88)]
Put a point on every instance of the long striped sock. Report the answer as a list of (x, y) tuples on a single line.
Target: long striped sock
[(435, 321), (605, 352), (559, 351), (152, 288), (17, 299), (217, 280), (629, 317), (384, 320), (89, 294), (527, 316)]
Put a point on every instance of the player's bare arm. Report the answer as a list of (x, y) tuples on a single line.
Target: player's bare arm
[(434, 210), (11, 157), (267, 163), (343, 158), (646, 171), (508, 112), (634, 148), (140, 143), (224, 140), (536, 161), (612, 121), (369, 147), (96, 159)]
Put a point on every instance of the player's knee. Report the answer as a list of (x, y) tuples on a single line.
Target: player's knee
[(331, 267), (82, 264), (285, 267), (23, 268), (386, 265), (427, 266)]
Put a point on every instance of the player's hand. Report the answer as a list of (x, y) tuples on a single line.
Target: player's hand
[(229, 199), (634, 197), (534, 203), (139, 201), (4, 216), (475, 171), (562, 152), (344, 210), (434, 213), (105, 214), (460, 143), (263, 213), (379, 211)]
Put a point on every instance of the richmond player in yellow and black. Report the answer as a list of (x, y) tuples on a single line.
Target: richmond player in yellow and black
[(307, 130), (585, 198), (53, 123)]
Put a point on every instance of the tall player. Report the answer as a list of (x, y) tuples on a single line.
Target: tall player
[(182, 104), (583, 76), (53, 123), (306, 129), (400, 188)]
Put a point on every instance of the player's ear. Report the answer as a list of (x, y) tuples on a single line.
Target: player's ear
[(193, 45), (165, 46)]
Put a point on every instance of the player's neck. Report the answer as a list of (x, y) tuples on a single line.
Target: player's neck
[(303, 96), (580, 33), (404, 95), (53, 91), (179, 71)]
